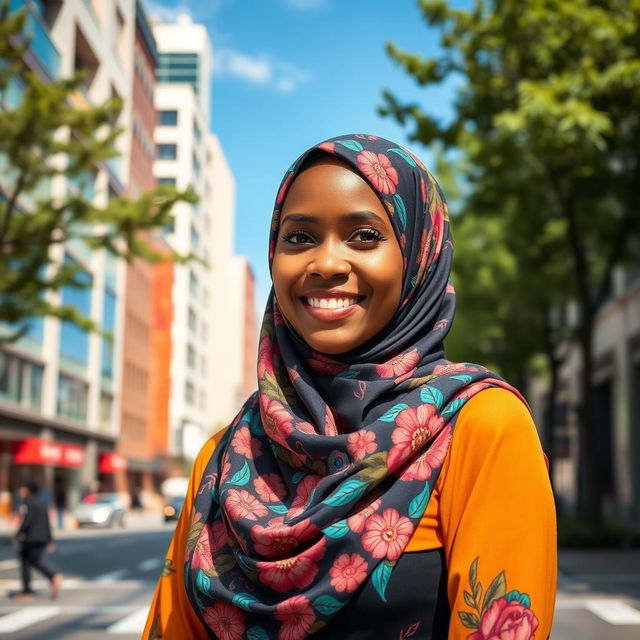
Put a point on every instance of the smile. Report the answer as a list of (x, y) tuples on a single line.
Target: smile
[(330, 308)]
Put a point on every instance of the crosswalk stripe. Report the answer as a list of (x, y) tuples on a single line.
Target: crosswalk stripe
[(111, 576), (9, 564), (133, 623), (149, 564), (26, 617), (613, 611)]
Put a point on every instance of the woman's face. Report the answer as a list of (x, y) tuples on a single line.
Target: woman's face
[(337, 267)]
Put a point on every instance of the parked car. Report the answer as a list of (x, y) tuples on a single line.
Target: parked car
[(101, 510), (173, 508)]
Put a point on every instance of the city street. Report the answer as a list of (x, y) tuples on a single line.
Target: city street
[(110, 577)]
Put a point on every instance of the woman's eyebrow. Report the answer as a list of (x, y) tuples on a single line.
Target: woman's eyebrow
[(355, 216)]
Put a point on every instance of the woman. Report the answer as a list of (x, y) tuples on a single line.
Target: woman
[(370, 488)]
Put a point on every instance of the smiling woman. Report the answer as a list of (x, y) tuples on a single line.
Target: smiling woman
[(370, 488)]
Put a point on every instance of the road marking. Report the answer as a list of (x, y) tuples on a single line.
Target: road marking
[(26, 617), (112, 576), (613, 611), (76, 583), (133, 623), (149, 564), (9, 564)]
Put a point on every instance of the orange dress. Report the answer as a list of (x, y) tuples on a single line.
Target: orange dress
[(492, 511)]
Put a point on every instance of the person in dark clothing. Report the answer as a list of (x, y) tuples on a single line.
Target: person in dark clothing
[(34, 537)]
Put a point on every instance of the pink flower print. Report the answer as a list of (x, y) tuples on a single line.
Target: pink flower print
[(283, 189), (202, 557), (356, 522), (423, 190), (415, 427), (324, 365), (399, 365), (295, 572), (450, 288), (265, 356), (437, 224), (348, 572), (453, 367), (472, 389), (245, 444), (297, 617), (276, 420), (377, 168), (422, 467), (361, 444), (279, 539), (305, 427), (226, 467), (505, 620), (225, 620), (270, 487), (330, 428), (387, 535), (241, 504), (329, 147), (303, 495)]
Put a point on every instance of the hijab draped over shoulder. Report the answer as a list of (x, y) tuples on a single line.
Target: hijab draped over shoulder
[(321, 479)]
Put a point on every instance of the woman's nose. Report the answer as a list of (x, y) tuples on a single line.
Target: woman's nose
[(329, 260)]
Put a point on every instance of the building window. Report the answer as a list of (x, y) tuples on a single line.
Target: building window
[(72, 398), (20, 381), (170, 180), (191, 357), (195, 239), (74, 341), (189, 393), (106, 410), (195, 164), (193, 283), (193, 320), (196, 132), (168, 118), (167, 151), (170, 227)]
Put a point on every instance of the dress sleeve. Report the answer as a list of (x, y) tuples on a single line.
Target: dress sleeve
[(498, 522), (171, 616)]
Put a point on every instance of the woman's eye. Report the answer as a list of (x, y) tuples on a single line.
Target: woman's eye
[(367, 235), (297, 237)]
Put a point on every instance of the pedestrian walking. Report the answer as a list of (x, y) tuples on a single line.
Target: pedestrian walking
[(370, 488), (60, 499), (34, 538)]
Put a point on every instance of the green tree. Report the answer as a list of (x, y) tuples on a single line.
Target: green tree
[(43, 138), (547, 114)]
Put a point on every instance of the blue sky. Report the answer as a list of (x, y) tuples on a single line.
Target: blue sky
[(289, 73)]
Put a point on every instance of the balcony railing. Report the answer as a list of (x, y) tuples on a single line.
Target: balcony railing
[(37, 31)]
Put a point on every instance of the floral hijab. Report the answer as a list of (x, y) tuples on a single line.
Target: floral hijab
[(320, 481)]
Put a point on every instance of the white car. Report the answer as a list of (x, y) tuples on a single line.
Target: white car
[(101, 510)]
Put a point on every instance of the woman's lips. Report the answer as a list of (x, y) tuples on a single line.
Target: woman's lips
[(330, 313)]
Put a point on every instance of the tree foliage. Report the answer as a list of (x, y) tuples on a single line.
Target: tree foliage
[(44, 142), (548, 117)]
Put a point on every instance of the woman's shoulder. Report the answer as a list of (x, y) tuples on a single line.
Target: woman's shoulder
[(492, 414)]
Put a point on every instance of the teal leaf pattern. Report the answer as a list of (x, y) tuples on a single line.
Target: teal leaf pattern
[(257, 633), (347, 492), (243, 600), (431, 395), (463, 378), (278, 508), (354, 145), (241, 477), (327, 605), (401, 210), (404, 155), (454, 406), (337, 529), (419, 503), (380, 578), (203, 581), (392, 414)]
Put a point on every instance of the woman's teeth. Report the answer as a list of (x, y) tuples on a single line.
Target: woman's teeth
[(331, 303)]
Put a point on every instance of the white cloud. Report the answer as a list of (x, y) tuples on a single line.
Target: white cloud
[(306, 5), (167, 13), (260, 70)]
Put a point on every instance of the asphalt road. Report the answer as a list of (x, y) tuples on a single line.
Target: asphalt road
[(110, 578)]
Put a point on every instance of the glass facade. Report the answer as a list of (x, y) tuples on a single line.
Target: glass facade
[(74, 341), (20, 381), (170, 180), (72, 398), (180, 68), (108, 325)]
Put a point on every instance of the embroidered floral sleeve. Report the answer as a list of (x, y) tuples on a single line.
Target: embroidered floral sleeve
[(498, 523), (171, 616)]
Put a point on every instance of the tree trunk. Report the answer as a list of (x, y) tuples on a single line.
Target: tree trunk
[(589, 488)]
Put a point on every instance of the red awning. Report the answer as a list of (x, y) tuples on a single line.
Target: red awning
[(112, 463), (39, 451)]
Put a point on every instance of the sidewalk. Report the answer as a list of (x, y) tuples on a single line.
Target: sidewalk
[(135, 521)]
